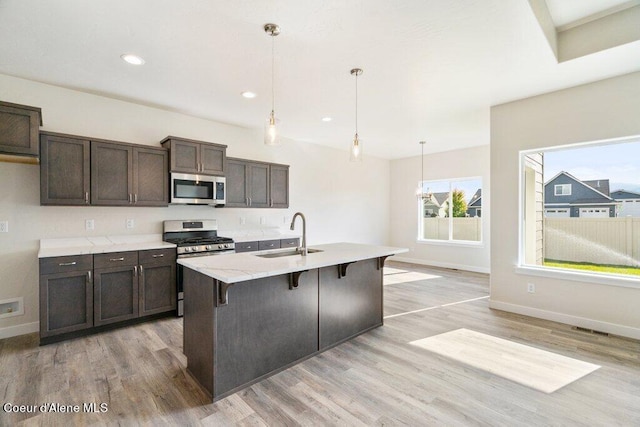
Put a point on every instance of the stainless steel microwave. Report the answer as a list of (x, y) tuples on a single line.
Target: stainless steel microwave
[(188, 189)]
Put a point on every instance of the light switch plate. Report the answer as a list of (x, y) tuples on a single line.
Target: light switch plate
[(131, 223), (4, 226), (89, 224)]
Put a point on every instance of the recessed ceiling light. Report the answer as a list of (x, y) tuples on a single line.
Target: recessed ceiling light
[(132, 59), (248, 94), (326, 119)]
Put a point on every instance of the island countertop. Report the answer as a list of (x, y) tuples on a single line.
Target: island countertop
[(240, 267)]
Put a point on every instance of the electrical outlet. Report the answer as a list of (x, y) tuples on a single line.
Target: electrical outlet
[(531, 288), (131, 223), (263, 220), (4, 226), (90, 224), (243, 220)]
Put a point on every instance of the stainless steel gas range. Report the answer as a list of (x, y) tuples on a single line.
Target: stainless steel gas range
[(195, 238)]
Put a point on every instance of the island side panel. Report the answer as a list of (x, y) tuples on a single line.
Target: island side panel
[(349, 305), (199, 322), (264, 327)]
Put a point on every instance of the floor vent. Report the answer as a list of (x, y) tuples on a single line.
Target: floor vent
[(591, 331)]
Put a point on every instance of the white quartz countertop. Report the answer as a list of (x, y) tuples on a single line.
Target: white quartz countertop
[(239, 267), (101, 244)]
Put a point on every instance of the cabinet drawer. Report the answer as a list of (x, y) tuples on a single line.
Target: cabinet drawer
[(157, 256), (115, 259), (289, 243), (268, 244), (246, 246), (63, 264)]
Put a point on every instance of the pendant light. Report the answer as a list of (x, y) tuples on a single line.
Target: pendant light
[(356, 144), (271, 135)]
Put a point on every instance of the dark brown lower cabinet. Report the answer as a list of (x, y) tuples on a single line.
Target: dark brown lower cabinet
[(89, 291), (115, 294), (157, 281), (66, 294)]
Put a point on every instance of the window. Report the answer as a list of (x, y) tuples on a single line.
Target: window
[(562, 190), (449, 210), (589, 232)]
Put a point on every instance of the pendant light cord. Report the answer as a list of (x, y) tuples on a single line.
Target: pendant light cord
[(356, 104), (273, 72)]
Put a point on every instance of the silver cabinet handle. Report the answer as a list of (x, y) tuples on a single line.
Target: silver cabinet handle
[(89, 277), (135, 198), (65, 264), (135, 271), (250, 201), (86, 198), (271, 203), (157, 256), (141, 272), (116, 259)]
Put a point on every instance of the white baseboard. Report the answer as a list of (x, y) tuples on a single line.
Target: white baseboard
[(441, 264), (583, 322), (14, 331)]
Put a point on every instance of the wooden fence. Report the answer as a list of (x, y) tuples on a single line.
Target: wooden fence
[(613, 241), (463, 228)]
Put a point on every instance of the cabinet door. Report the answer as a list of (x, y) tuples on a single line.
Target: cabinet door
[(237, 184), (157, 281), (150, 177), (66, 302), (212, 159), (259, 185), (19, 126), (111, 174), (157, 288), (64, 170), (115, 293), (279, 186), (184, 156)]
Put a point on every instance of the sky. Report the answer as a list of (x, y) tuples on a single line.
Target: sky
[(620, 163)]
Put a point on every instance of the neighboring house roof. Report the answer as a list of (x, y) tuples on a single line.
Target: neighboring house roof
[(595, 199), (602, 185), (476, 199), (623, 194), (441, 198)]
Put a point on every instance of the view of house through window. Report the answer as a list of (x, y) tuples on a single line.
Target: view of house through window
[(581, 208), (450, 210)]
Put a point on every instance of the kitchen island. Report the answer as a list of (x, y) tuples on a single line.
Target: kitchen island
[(250, 315)]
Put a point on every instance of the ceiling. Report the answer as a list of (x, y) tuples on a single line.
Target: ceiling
[(432, 68)]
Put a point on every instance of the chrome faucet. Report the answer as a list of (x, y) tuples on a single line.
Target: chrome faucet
[(302, 249)]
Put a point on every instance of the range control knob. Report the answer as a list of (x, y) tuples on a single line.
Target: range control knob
[(220, 246), (208, 247), (187, 249), (227, 246)]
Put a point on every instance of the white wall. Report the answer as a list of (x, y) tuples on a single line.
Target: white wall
[(342, 201), (601, 110), (405, 175)]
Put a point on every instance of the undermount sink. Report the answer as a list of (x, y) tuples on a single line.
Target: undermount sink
[(288, 253)]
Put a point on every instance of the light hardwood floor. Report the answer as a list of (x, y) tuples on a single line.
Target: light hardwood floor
[(375, 379)]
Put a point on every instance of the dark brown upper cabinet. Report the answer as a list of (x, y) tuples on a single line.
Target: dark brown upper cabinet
[(279, 186), (197, 157), (252, 184), (19, 126), (64, 170), (75, 170), (126, 174)]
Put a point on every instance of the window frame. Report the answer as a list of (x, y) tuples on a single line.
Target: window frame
[(521, 267), (450, 241), (562, 193)]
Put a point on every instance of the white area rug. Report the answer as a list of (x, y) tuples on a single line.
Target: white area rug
[(535, 368)]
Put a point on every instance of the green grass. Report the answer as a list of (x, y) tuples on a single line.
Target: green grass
[(596, 268)]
